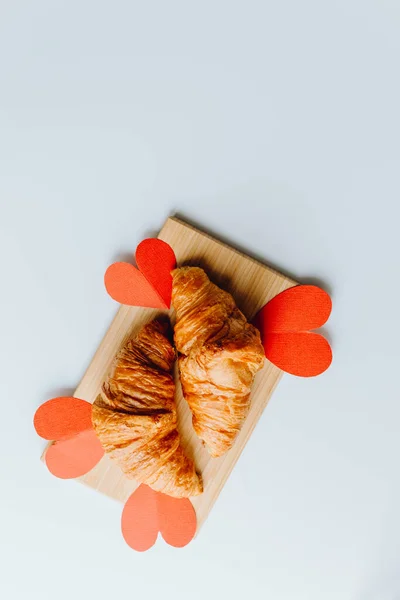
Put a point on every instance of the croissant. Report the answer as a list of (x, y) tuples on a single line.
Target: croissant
[(219, 354), (135, 415)]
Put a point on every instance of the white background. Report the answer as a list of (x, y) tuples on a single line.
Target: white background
[(276, 126)]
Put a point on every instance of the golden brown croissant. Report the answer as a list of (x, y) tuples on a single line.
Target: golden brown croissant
[(219, 355), (135, 415)]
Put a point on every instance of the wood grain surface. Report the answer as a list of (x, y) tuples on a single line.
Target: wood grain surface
[(252, 284)]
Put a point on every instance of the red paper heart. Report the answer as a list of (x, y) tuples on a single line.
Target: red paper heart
[(76, 449), (62, 417), (146, 513), (284, 324), (75, 456), (151, 284)]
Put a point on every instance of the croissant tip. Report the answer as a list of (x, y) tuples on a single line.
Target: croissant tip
[(200, 486)]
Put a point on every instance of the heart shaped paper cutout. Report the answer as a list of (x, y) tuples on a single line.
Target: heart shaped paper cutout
[(75, 456), (285, 323), (147, 513), (76, 449), (150, 284), (62, 417)]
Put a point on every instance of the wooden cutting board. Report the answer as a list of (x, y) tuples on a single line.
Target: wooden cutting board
[(252, 284)]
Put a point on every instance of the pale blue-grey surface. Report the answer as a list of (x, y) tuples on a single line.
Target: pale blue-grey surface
[(275, 125)]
